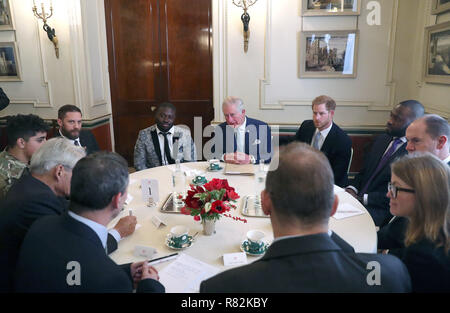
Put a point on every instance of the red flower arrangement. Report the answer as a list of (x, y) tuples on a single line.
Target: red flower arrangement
[(211, 201)]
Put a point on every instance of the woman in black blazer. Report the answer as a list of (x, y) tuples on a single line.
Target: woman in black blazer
[(420, 192)]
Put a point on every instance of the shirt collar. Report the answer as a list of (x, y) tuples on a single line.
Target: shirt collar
[(242, 127), (171, 130), (324, 133), (330, 232), (72, 140), (447, 160), (100, 230)]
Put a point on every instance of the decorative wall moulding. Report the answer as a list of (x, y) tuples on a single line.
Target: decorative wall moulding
[(328, 54), (437, 54), (440, 6), (6, 18), (330, 7), (9, 62)]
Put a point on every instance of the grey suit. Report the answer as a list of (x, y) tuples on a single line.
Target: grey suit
[(147, 153), (313, 263)]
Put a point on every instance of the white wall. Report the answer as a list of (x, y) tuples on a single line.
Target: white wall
[(266, 77), (79, 76)]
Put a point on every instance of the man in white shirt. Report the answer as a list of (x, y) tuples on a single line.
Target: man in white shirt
[(241, 139), (431, 133), (324, 135), (163, 143)]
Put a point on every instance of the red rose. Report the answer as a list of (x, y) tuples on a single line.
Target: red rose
[(197, 217), (231, 194)]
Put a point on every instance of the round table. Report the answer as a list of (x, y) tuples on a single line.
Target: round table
[(359, 231)]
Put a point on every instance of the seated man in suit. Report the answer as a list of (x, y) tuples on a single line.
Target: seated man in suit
[(324, 135), (157, 144), (26, 133), (67, 253), (370, 184), (69, 121), (299, 197), (241, 139), (430, 133), (42, 193)]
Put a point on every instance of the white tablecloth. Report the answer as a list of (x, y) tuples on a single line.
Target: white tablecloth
[(359, 230)]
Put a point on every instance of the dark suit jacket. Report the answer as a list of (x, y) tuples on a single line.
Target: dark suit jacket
[(392, 235), (258, 140), (87, 141), (28, 200), (53, 242), (337, 147), (378, 203), (428, 266), (311, 263)]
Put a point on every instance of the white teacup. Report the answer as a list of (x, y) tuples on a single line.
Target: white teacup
[(254, 240), (179, 235), (214, 164)]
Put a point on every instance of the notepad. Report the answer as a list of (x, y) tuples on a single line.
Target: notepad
[(185, 274), (347, 210)]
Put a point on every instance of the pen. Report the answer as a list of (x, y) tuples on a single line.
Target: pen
[(163, 259)]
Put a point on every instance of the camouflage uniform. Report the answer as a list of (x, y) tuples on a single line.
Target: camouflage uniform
[(11, 170)]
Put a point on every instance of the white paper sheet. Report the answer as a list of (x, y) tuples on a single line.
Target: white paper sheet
[(347, 210), (185, 274)]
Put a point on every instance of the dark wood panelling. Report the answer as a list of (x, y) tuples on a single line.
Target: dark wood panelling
[(159, 50), (102, 134)]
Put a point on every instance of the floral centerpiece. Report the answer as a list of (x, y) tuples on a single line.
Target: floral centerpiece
[(210, 201)]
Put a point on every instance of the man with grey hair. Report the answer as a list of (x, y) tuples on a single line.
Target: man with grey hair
[(241, 140), (42, 193), (431, 133), (98, 193), (299, 197)]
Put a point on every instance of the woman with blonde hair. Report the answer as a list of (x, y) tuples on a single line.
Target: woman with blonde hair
[(420, 191)]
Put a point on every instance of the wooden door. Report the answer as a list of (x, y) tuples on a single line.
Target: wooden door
[(159, 50)]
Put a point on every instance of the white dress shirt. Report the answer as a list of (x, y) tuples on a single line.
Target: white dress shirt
[(71, 140), (323, 135), (161, 143), (240, 136)]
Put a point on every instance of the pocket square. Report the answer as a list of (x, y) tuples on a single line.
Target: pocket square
[(256, 142)]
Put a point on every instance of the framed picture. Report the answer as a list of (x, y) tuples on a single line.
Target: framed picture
[(437, 54), (325, 54), (9, 62), (6, 21), (440, 6), (330, 7)]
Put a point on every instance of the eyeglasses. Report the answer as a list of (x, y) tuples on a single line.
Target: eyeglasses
[(394, 190)]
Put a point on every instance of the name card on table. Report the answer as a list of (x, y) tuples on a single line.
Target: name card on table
[(232, 259), (147, 252), (150, 189), (157, 221)]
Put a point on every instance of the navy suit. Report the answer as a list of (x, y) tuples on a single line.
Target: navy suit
[(87, 141), (313, 263), (55, 241), (28, 200), (258, 140), (337, 148), (377, 202)]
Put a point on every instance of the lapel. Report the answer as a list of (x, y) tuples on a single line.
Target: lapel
[(310, 130), (378, 153), (246, 142), (156, 145), (329, 140), (301, 245)]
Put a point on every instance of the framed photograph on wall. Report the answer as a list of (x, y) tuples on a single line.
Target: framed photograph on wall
[(330, 7), (6, 20), (9, 62), (325, 54), (437, 54), (440, 6)]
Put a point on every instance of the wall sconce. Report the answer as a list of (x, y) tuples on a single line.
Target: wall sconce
[(50, 31), (245, 18)]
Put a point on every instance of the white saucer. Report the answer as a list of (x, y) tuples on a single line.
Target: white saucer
[(184, 246), (266, 246)]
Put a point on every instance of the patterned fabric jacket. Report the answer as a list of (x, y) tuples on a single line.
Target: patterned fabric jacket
[(147, 153), (11, 170)]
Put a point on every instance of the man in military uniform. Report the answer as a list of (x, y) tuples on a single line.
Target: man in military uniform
[(26, 133)]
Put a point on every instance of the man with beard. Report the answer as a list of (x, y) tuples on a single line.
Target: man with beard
[(163, 143), (69, 121), (370, 184)]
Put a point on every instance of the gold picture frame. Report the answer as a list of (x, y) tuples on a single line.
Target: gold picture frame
[(328, 54), (437, 54), (9, 62), (6, 17), (330, 7), (440, 6)]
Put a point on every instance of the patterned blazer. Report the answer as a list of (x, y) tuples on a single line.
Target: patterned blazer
[(147, 153)]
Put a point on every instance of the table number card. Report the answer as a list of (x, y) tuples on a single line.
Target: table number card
[(150, 188), (157, 221), (232, 259)]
